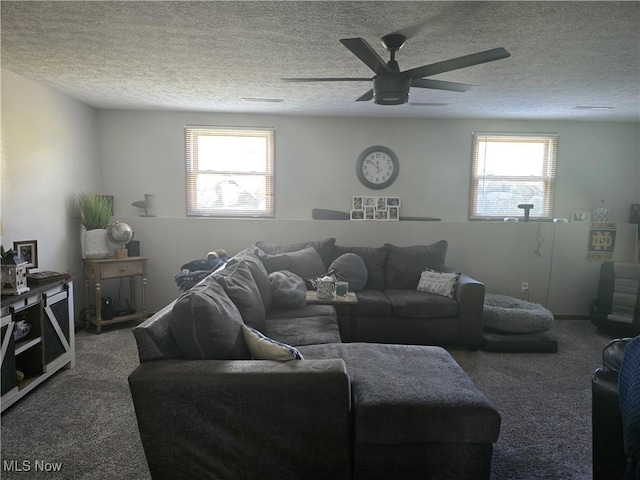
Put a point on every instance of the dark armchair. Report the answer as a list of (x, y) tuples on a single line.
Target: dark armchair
[(610, 430)]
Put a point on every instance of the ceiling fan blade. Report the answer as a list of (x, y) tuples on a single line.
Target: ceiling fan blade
[(366, 97), (440, 85), (460, 62), (345, 79), (365, 52)]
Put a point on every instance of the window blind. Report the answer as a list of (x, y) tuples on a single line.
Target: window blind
[(510, 169), (230, 171)]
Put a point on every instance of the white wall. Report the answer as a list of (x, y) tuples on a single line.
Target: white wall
[(143, 152), (48, 157)]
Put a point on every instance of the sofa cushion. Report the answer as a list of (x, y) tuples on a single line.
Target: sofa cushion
[(262, 347), (309, 310), (406, 394), (414, 304), (438, 283), (305, 263), (324, 248), (260, 275), (374, 260), (288, 290), (373, 303), (350, 268), (404, 265), (207, 325), (241, 288), (298, 331)]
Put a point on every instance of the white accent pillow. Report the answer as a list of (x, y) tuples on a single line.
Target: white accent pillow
[(262, 347), (438, 283)]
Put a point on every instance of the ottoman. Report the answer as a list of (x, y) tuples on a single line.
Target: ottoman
[(416, 413)]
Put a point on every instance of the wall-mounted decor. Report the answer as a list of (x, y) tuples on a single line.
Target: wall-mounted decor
[(377, 167), (28, 250), (580, 216), (602, 241), (375, 208)]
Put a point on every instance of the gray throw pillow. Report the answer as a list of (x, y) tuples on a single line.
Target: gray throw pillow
[(206, 325), (374, 260), (288, 290), (404, 265), (241, 288), (351, 268), (324, 248), (305, 263)]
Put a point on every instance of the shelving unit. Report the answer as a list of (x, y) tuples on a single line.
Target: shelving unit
[(49, 345)]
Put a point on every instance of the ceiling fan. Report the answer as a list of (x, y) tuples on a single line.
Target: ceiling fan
[(390, 85)]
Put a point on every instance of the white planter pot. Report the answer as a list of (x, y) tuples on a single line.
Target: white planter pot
[(96, 244)]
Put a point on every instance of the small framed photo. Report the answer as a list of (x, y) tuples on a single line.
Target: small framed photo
[(28, 250), (580, 216), (382, 215), (381, 203), (393, 202), (357, 214), (356, 203), (369, 213), (394, 213), (370, 202)]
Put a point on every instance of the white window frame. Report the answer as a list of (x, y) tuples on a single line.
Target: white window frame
[(480, 194), (198, 202)]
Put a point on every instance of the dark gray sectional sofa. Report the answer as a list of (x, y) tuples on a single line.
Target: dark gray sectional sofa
[(390, 309), (212, 403)]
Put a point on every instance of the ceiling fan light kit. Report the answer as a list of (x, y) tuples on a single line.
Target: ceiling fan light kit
[(390, 85)]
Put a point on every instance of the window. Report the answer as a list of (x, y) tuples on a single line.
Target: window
[(512, 169), (230, 171)]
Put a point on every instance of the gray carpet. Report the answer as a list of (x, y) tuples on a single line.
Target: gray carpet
[(84, 417)]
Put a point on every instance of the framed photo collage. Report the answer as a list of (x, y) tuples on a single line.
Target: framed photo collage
[(375, 208)]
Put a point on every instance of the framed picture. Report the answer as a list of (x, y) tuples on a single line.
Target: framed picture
[(580, 216), (356, 203), (382, 215), (357, 214), (393, 202), (394, 213), (28, 250), (382, 203), (369, 213), (369, 202)]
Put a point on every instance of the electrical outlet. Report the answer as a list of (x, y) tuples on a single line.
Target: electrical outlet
[(524, 287)]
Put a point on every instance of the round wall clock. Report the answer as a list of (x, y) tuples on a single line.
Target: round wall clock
[(377, 167)]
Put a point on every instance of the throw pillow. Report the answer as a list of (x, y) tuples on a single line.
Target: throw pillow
[(374, 260), (404, 265), (262, 347), (206, 325), (241, 288), (324, 248), (350, 268), (305, 263), (259, 273), (288, 290), (438, 283)]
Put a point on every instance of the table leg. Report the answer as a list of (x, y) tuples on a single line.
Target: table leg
[(144, 286), (98, 308)]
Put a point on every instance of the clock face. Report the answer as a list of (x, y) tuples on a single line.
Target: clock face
[(377, 167)]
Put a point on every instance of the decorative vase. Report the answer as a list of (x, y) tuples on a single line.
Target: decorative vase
[(96, 244)]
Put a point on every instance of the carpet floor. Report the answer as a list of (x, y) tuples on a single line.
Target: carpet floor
[(82, 419)]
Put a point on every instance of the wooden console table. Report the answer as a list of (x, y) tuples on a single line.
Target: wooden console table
[(97, 270)]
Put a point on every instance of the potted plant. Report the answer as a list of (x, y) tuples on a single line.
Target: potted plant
[(95, 213)]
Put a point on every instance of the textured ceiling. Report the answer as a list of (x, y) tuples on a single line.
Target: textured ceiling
[(209, 56)]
